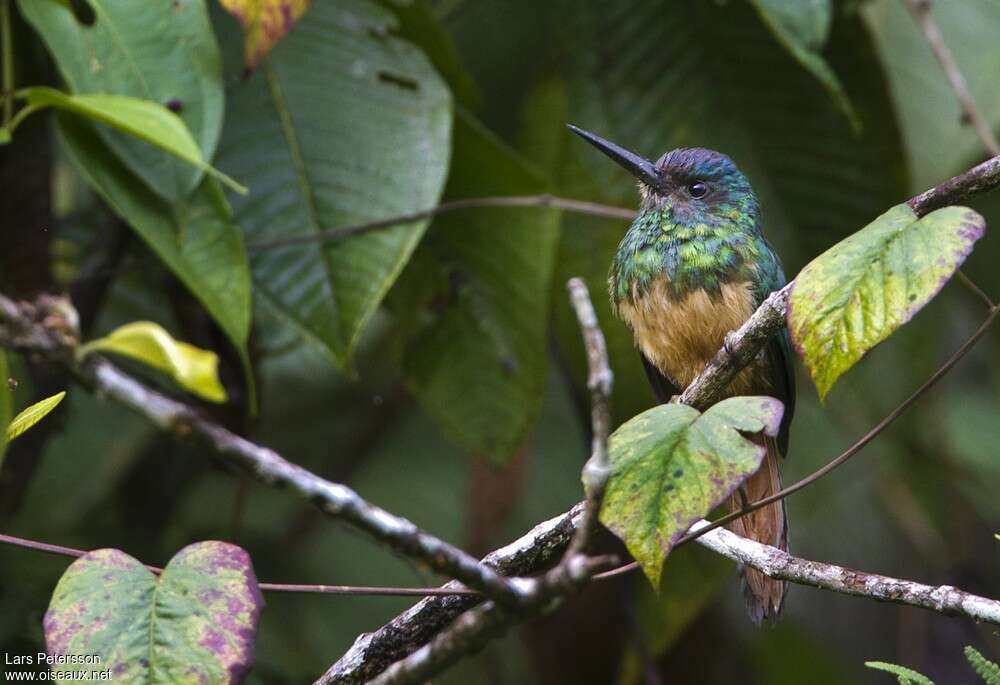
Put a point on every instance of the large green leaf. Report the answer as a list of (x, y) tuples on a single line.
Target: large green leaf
[(803, 27), (196, 240), (160, 51), (854, 295), (672, 465), (475, 301), (196, 623), (342, 123), (938, 144)]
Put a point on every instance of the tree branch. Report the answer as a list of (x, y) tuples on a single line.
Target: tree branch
[(35, 328), (775, 563), (373, 652), (921, 10), (473, 629)]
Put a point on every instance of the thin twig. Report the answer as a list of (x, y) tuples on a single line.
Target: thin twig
[(339, 233), (921, 10), (599, 380), (375, 590)]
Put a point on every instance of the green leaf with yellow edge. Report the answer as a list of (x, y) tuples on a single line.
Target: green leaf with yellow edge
[(905, 676), (193, 368), (32, 415), (672, 465), (854, 295), (264, 23), (803, 27), (196, 623), (148, 121)]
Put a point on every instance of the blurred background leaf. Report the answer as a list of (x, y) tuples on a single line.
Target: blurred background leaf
[(473, 305)]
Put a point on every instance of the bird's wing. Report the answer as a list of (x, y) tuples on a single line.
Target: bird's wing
[(663, 387), (779, 356)]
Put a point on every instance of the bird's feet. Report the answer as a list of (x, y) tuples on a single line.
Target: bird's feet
[(729, 343)]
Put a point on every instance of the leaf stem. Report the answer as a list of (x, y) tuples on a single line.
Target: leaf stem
[(7, 47)]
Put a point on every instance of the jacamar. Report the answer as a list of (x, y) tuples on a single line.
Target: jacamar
[(694, 266)]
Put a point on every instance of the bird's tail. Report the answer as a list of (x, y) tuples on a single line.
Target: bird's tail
[(768, 525)]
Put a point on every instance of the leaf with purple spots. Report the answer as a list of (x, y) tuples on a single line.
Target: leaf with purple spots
[(264, 23), (854, 295), (196, 623), (672, 465)]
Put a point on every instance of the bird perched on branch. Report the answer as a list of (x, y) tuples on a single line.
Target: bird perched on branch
[(694, 266)]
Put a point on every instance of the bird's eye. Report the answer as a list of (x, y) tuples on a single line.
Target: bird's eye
[(698, 189)]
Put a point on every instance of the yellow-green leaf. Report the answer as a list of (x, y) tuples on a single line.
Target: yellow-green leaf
[(193, 368), (32, 415), (854, 295), (672, 465), (146, 120), (264, 23)]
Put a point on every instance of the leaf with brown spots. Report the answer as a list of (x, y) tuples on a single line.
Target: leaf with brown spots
[(196, 623), (264, 23), (672, 465), (854, 295)]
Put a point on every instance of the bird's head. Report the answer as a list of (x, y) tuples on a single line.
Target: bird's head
[(694, 185)]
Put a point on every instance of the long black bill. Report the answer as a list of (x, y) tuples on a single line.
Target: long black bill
[(640, 167)]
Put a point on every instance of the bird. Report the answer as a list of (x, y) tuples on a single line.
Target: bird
[(692, 267)]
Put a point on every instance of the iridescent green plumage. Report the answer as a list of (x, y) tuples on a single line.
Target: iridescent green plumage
[(696, 243)]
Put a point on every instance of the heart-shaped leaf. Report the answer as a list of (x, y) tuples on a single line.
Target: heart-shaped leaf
[(193, 368), (32, 415), (854, 295), (264, 23), (164, 52), (672, 465), (196, 623)]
